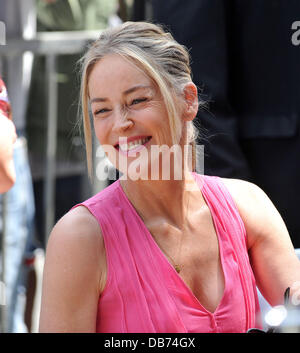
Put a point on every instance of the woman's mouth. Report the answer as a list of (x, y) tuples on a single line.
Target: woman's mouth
[(128, 148)]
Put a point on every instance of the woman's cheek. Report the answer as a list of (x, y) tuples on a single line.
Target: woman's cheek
[(102, 130)]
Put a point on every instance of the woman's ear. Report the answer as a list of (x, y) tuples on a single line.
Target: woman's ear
[(190, 95)]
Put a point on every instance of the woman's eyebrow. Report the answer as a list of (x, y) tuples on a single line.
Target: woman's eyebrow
[(135, 88), (128, 91), (98, 99)]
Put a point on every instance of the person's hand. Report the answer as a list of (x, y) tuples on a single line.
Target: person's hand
[(8, 137)]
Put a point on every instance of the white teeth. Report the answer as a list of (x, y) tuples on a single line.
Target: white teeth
[(131, 145)]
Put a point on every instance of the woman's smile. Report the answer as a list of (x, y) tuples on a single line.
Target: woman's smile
[(132, 145)]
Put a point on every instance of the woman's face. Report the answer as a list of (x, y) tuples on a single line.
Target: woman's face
[(125, 103)]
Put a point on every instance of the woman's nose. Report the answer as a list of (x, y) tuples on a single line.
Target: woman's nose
[(122, 122)]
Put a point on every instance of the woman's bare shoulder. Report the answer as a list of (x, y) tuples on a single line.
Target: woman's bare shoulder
[(77, 234), (77, 219), (245, 192), (73, 272), (238, 185), (255, 207)]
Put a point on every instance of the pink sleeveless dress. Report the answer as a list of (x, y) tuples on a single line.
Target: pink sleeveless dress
[(144, 293)]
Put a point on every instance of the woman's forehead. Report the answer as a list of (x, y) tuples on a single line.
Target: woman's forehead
[(116, 65), (116, 72)]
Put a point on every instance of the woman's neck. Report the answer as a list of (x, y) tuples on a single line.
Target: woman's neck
[(163, 199)]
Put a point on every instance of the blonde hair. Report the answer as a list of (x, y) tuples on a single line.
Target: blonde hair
[(154, 51)]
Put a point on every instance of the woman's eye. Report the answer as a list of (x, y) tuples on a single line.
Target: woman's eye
[(101, 111), (138, 100)]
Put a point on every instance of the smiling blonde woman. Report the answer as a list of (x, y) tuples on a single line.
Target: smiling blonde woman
[(151, 255)]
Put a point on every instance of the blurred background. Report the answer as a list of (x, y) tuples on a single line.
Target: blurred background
[(245, 63)]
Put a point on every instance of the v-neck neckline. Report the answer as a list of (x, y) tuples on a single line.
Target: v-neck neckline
[(169, 265)]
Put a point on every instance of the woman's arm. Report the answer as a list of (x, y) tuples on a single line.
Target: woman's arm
[(73, 274), (272, 255)]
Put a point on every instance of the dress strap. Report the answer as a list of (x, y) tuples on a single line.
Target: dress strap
[(226, 211)]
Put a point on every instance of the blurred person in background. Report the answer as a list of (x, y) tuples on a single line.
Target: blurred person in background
[(20, 23), (8, 137), (246, 65)]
